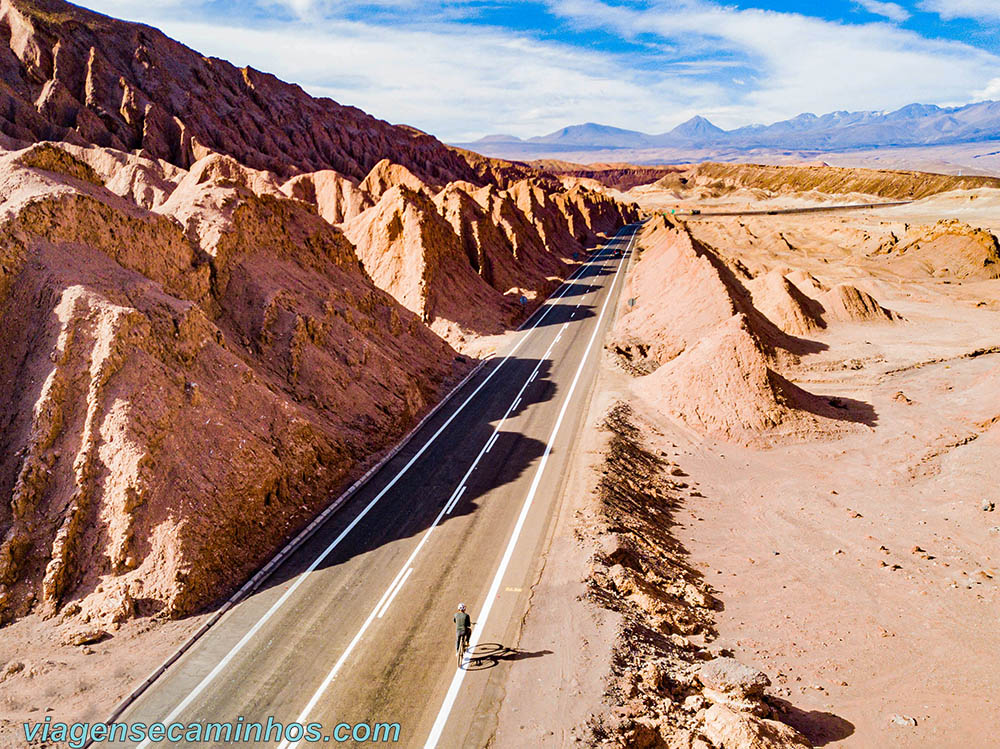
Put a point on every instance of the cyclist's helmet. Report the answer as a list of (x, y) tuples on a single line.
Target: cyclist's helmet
[(461, 607)]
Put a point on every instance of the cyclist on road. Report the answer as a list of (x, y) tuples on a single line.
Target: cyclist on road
[(463, 630)]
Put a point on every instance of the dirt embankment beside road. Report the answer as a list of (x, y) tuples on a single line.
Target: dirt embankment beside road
[(668, 686)]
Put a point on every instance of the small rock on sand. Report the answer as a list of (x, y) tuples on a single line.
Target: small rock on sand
[(85, 637), (902, 720), (725, 727), (729, 676)]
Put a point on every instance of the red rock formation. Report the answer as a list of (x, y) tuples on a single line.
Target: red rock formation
[(73, 75), (182, 391), (463, 259)]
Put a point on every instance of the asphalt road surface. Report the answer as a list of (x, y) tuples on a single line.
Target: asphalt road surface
[(356, 626), (780, 211)]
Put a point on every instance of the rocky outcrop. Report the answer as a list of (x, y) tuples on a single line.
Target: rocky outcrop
[(337, 198), (681, 290), (615, 176), (723, 386), (666, 688), (949, 248), (800, 305), (465, 258), (186, 387), (782, 302), (196, 356), (707, 340), (74, 75), (410, 250), (720, 179)]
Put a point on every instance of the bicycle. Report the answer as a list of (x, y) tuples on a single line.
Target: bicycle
[(463, 644)]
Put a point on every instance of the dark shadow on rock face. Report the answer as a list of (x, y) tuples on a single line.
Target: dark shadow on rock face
[(821, 728), (770, 334), (837, 407)]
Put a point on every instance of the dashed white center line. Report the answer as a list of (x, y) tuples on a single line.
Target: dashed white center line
[(392, 597), (454, 499), (493, 439), (382, 604)]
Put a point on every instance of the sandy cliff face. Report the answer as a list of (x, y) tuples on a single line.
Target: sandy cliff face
[(715, 179), (463, 258), (186, 386)]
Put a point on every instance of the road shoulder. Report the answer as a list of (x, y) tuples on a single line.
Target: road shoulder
[(576, 636)]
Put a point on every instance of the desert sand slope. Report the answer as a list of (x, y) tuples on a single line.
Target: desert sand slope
[(948, 248), (785, 304), (684, 291), (74, 75), (708, 339), (799, 304), (183, 388), (723, 387)]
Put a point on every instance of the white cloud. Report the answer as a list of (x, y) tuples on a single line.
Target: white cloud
[(462, 80), (892, 11), (990, 93), (983, 10), (806, 63), (457, 84)]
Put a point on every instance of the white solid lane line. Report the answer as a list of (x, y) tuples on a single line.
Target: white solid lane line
[(456, 682), (210, 677), (493, 439), (445, 510)]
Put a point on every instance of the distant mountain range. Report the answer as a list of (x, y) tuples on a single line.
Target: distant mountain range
[(913, 125)]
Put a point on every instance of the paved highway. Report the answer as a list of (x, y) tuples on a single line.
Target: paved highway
[(780, 211), (356, 626)]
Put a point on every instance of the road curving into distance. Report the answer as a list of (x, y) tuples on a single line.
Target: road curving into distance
[(781, 211), (355, 627)]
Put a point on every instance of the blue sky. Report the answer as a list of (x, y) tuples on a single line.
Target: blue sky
[(468, 68)]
